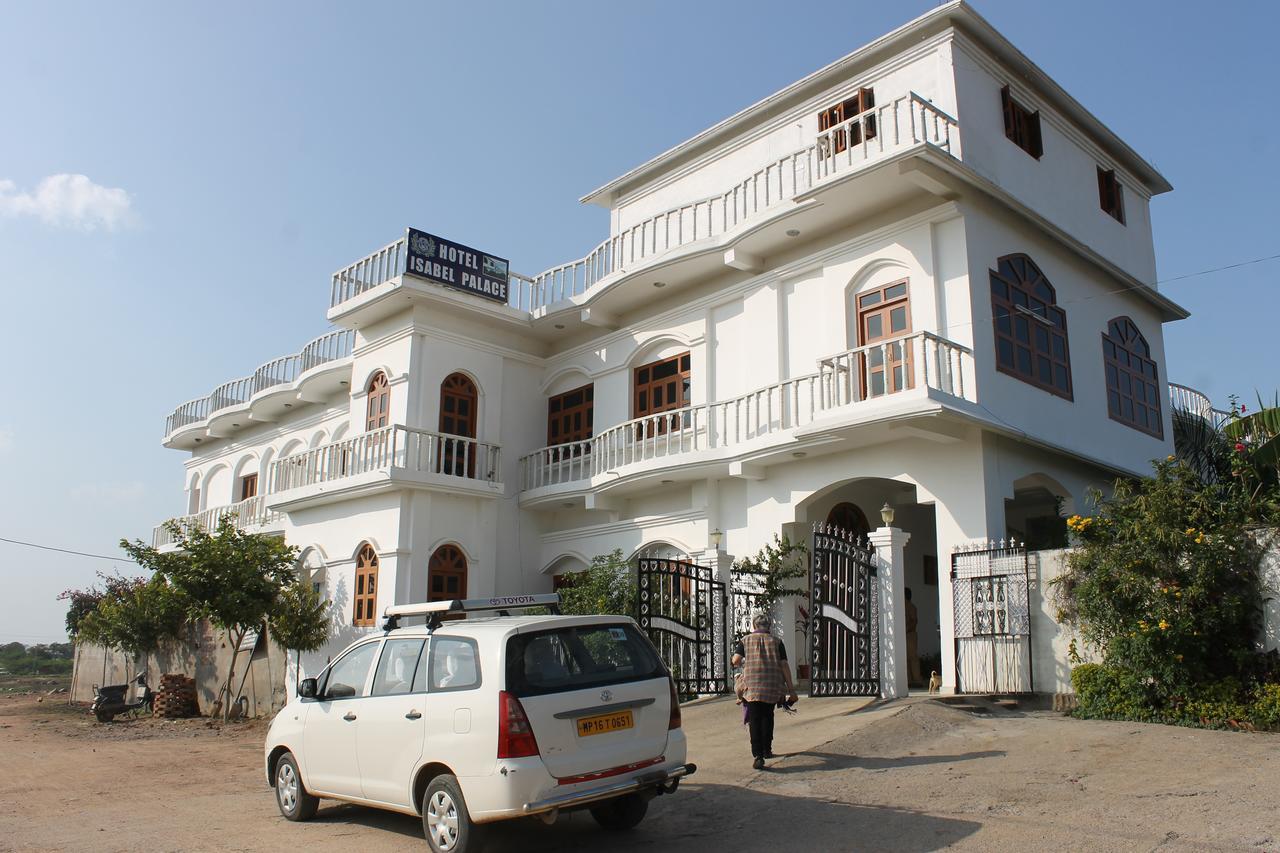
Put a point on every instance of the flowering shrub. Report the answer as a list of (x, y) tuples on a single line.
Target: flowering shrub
[(1164, 581)]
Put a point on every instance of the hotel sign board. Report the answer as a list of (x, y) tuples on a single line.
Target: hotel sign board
[(457, 266)]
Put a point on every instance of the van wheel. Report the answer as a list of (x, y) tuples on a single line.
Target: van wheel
[(292, 798), (622, 813), (445, 819)]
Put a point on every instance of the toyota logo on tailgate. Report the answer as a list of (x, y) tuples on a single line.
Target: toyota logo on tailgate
[(606, 695)]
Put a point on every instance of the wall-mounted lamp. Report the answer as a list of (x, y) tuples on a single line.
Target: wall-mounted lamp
[(886, 514), (716, 536)]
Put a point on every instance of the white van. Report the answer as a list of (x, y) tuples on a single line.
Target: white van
[(484, 716)]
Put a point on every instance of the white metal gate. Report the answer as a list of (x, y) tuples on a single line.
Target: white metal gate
[(990, 587)]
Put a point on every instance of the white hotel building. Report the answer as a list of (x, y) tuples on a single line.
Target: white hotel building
[(923, 275)]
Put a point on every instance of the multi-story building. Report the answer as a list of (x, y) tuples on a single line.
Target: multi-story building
[(922, 276)]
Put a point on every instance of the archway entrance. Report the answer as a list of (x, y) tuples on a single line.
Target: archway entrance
[(855, 505)]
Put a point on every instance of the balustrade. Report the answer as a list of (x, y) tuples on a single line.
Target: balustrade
[(247, 514), (331, 346), (386, 448), (925, 360)]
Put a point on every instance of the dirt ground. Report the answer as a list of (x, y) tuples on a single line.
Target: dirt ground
[(913, 775)]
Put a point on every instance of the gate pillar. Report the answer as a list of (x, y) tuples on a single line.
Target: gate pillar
[(889, 543)]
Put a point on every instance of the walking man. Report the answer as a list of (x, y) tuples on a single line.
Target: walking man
[(766, 682)]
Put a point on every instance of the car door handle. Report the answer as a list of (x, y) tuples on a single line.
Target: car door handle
[(413, 715), (348, 716)]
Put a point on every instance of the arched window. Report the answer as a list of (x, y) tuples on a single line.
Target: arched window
[(366, 597), (847, 516), (1031, 330), (447, 574), (1133, 381), (458, 399), (378, 411), (458, 405)]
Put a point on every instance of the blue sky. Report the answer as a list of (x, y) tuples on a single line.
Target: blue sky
[(237, 154)]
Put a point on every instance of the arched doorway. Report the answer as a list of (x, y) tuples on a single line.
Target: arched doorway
[(458, 399), (847, 516), (447, 574), (366, 598)]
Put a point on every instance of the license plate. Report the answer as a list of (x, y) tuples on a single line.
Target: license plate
[(604, 723)]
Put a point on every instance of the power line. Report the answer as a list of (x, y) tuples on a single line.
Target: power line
[(66, 551), (1218, 269)]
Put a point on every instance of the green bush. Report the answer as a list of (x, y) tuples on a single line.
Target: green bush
[(1113, 693), (1265, 710)]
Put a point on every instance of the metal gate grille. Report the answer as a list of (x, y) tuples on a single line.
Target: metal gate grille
[(845, 616), (683, 610), (990, 587)]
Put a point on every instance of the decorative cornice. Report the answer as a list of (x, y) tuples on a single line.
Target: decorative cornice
[(647, 522)]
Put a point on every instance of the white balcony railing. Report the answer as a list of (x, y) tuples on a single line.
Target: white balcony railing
[(383, 449), (1191, 401), (900, 123), (922, 360), (330, 346), (246, 514)]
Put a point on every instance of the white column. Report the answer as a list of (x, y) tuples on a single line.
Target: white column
[(889, 543)]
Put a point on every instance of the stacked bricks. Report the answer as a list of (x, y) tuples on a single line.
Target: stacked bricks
[(177, 697)]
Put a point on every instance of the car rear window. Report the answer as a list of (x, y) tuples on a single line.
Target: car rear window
[(579, 657)]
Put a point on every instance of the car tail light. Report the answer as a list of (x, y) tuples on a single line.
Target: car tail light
[(515, 735), (674, 723)]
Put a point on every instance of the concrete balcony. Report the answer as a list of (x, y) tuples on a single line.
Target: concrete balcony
[(250, 515), (394, 457), (735, 227), (315, 373), (915, 377)]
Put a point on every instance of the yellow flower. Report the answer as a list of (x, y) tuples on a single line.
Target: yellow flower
[(1164, 626), (1177, 594), (1178, 658), (1169, 458)]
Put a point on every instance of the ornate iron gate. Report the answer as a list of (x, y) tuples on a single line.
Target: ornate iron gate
[(684, 611), (990, 586), (844, 633)]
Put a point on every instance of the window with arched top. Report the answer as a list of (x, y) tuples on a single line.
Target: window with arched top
[(458, 399), (1133, 379), (366, 597), (378, 408), (849, 517), (1030, 329), (458, 416), (447, 574)]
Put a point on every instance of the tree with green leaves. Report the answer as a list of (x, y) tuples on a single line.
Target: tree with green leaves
[(134, 615), (232, 578), (778, 570), (1165, 578), (606, 586), (300, 618)]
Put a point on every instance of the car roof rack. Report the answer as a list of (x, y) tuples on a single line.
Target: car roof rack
[(435, 611)]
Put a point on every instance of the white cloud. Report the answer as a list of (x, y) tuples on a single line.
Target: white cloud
[(108, 492), (6, 440), (68, 201)]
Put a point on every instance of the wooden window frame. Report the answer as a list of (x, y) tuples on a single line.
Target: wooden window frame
[(444, 563), (1036, 312), (377, 410), (859, 110), (643, 386), (569, 420), (885, 304), (1021, 125), (1111, 194), (1127, 362), (364, 613), (248, 486), (460, 416)]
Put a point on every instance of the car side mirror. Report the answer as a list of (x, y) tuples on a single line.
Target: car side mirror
[(307, 688)]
